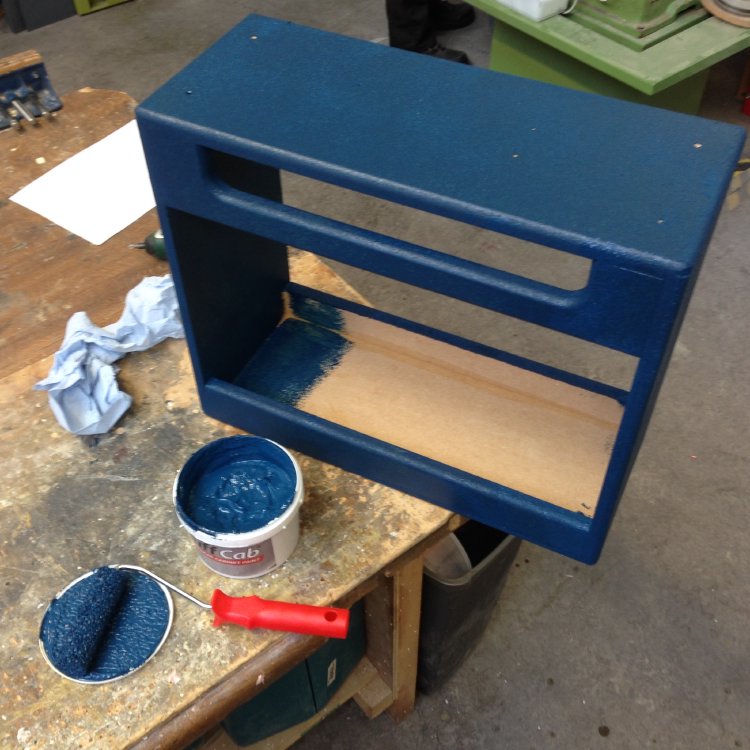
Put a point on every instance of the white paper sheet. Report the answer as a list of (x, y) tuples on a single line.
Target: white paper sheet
[(99, 191)]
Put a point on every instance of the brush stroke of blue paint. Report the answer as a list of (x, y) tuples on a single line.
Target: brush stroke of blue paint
[(106, 625), (314, 311), (292, 360)]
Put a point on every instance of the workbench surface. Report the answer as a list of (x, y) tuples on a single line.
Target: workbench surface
[(70, 504)]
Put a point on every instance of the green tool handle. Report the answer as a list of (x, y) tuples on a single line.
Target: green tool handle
[(154, 245)]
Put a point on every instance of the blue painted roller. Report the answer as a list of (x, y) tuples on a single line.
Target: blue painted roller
[(78, 620), (111, 621), (105, 624)]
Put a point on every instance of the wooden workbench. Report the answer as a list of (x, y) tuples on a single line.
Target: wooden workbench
[(68, 505)]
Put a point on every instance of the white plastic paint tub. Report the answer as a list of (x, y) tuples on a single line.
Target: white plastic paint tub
[(239, 498)]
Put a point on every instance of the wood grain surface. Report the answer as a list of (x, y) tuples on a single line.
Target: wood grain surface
[(47, 273)]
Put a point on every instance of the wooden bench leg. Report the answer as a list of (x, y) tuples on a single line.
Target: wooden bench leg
[(407, 596), (392, 619)]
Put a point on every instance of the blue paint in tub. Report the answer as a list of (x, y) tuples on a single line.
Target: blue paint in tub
[(235, 485), (105, 625)]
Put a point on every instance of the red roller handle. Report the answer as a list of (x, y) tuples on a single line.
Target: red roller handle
[(254, 612)]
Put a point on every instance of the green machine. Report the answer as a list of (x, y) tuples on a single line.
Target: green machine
[(655, 52)]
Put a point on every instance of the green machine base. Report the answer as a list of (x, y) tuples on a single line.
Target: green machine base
[(671, 74), (89, 6), (519, 54)]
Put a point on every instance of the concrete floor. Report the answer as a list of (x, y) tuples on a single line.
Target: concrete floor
[(651, 647)]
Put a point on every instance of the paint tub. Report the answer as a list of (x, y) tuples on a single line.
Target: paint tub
[(239, 498)]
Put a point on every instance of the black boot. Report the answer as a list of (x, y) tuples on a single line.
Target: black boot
[(444, 53), (412, 26)]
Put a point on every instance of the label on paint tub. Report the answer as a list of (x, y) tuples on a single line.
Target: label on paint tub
[(233, 561)]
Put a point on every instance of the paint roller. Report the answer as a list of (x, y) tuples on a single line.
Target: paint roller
[(78, 624), (75, 623)]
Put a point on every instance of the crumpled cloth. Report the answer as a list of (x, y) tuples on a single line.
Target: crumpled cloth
[(82, 383)]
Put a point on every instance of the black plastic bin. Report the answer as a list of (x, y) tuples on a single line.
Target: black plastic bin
[(456, 609)]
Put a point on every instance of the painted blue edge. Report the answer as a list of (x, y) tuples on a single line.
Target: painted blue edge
[(494, 504), (344, 118), (580, 381), (603, 311), (649, 375)]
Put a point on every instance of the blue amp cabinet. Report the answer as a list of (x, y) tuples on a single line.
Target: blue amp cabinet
[(539, 452)]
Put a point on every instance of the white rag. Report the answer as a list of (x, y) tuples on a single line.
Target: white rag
[(82, 383)]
